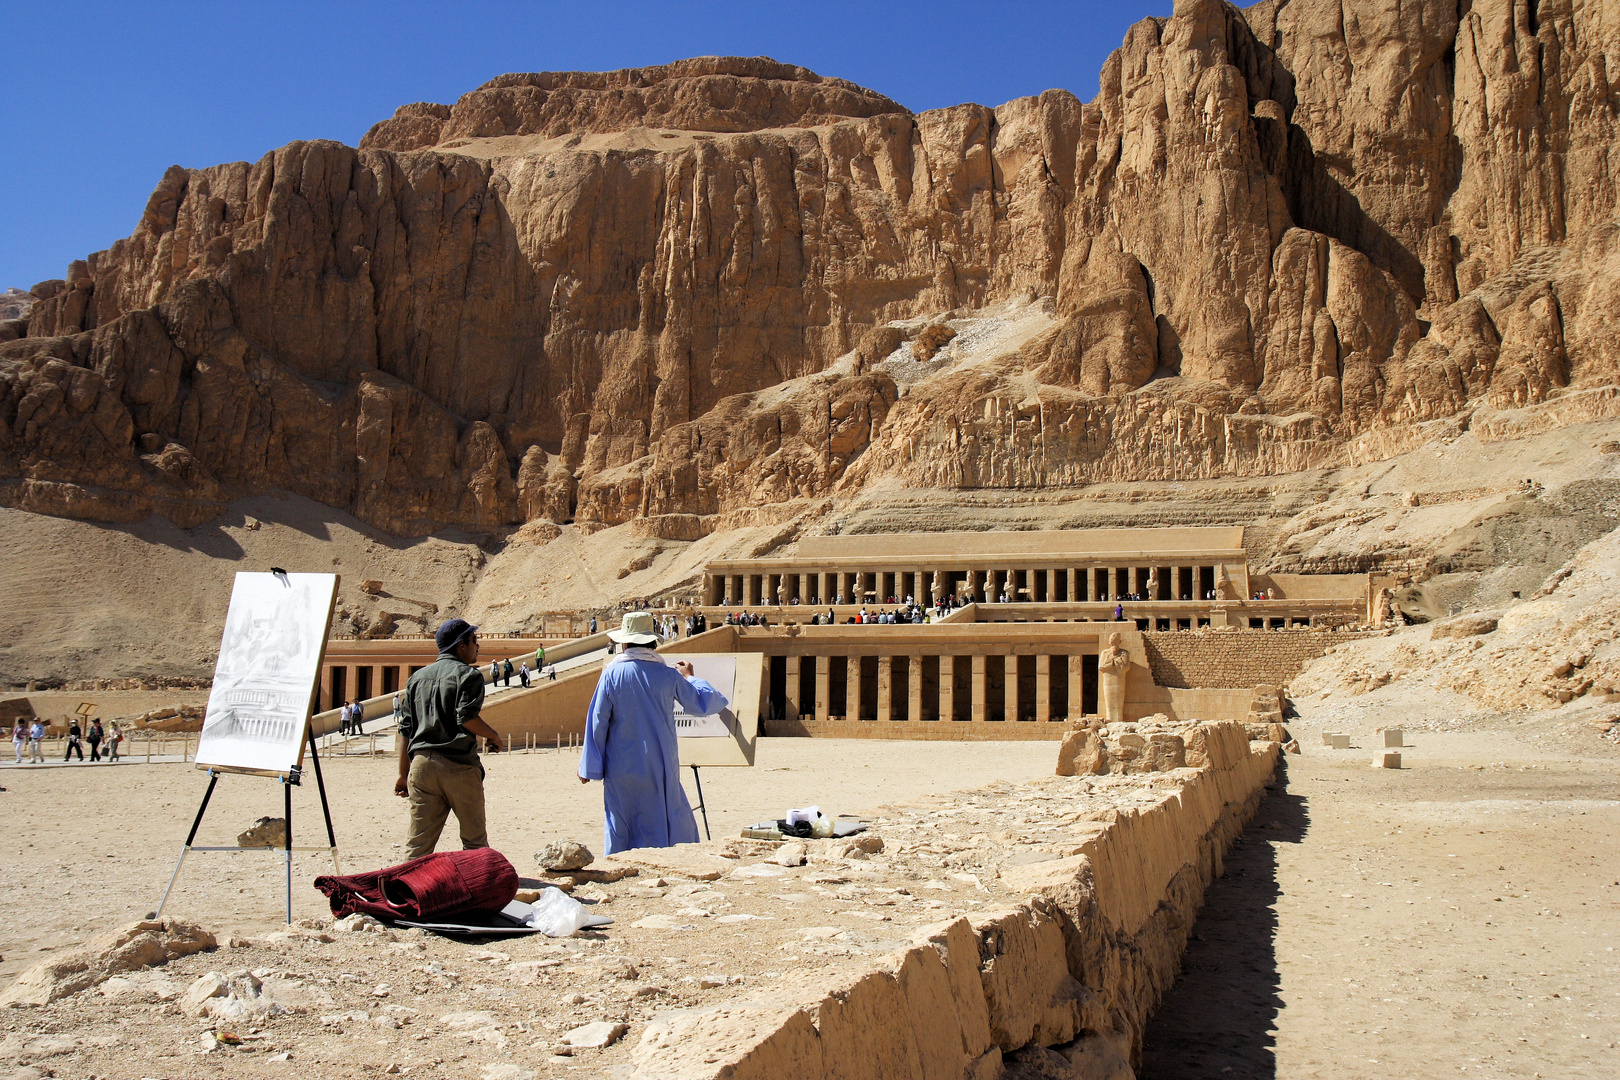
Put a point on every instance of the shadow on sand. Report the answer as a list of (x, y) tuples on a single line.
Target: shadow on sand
[(1219, 1018)]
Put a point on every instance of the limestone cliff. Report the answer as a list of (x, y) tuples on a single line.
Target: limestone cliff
[(1279, 238)]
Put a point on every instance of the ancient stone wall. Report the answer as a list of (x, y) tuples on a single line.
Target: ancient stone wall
[(1234, 658), (1078, 966)]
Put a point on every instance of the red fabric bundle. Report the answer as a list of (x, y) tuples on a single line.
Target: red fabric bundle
[(479, 879)]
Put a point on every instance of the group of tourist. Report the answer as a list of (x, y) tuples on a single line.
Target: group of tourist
[(696, 623), (745, 618), (351, 718), (31, 734), (909, 613)]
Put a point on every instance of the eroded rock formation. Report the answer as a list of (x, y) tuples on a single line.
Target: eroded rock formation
[(1279, 238)]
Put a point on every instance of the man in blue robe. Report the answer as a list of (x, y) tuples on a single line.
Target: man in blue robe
[(630, 740)]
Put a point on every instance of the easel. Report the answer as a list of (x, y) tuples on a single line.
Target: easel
[(289, 780), (286, 768)]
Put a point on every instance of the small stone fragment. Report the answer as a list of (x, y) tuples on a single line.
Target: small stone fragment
[(564, 855), (594, 1036), (790, 854), (267, 832)]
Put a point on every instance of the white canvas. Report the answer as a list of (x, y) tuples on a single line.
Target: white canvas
[(721, 673), (269, 662), (727, 739)]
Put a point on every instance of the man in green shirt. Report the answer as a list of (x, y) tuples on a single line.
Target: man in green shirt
[(439, 728)]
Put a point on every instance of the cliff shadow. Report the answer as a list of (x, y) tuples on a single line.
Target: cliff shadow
[(1219, 1018)]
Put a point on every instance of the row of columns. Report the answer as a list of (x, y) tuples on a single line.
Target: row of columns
[(378, 679), (1042, 584), (1064, 685)]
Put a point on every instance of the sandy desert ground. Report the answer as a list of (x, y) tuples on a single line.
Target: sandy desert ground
[(1455, 917)]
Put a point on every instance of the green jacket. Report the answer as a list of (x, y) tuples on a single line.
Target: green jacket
[(439, 699)]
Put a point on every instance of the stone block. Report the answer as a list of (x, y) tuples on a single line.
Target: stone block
[(957, 946), (1394, 737), (1025, 973), (1338, 741), (743, 1043), (1081, 754), (1389, 759), (860, 1037)]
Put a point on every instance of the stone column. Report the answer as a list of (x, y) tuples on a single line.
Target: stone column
[(1077, 687), (1175, 583), (790, 711), (1074, 579), (852, 689), (885, 686), (725, 595), (978, 689), (823, 687), (1009, 687), (1043, 687), (914, 688), (947, 688), (326, 689)]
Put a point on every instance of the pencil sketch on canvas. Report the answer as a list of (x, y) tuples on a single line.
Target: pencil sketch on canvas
[(269, 661)]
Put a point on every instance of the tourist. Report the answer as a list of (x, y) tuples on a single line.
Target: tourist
[(357, 718), (114, 738), (551, 672), (523, 674), (439, 728), (36, 736), (397, 699), (630, 740), (1119, 612), (94, 737), (19, 737), (75, 741), (539, 657), (593, 624), (506, 673), (494, 672)]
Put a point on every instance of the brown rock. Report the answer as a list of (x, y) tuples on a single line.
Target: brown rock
[(1230, 248), (1081, 754), (135, 945)]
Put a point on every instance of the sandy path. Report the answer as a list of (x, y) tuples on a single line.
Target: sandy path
[(1455, 918), (86, 848)]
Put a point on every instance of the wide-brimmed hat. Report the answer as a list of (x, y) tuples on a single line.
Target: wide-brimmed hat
[(636, 629)]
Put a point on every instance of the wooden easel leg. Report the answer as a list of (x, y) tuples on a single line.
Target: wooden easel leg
[(326, 810), (702, 806), (213, 778)]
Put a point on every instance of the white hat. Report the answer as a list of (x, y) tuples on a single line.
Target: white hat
[(636, 629)]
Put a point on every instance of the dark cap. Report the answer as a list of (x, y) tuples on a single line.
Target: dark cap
[(451, 632)]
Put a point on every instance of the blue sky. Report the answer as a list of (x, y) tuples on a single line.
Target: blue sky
[(102, 97)]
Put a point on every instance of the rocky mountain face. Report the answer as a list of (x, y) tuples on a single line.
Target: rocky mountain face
[(1282, 237), (14, 305)]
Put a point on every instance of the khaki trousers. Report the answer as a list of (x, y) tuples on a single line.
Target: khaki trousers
[(437, 786)]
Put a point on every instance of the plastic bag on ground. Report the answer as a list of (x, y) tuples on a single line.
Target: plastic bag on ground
[(556, 914)]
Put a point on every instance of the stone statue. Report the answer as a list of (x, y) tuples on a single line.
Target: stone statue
[(939, 587), (1113, 665), (1224, 589), (1153, 584), (781, 590)]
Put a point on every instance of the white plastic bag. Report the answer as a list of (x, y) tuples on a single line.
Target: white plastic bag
[(808, 814), (556, 914)]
